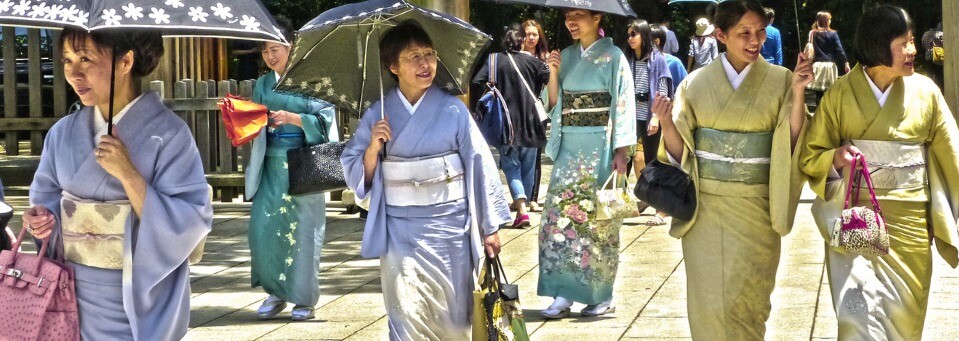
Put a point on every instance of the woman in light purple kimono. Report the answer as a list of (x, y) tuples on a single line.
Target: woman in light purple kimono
[(149, 167), (425, 251)]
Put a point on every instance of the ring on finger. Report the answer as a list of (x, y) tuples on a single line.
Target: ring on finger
[(29, 227), (97, 153)]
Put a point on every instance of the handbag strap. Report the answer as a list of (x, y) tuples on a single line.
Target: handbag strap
[(855, 177), (614, 176), (492, 69), (521, 78)]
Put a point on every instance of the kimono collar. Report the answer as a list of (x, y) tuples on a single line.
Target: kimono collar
[(100, 124), (735, 79), (881, 96), (411, 108), (277, 74), (584, 51)]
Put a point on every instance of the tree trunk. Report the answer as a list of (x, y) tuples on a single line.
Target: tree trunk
[(950, 30)]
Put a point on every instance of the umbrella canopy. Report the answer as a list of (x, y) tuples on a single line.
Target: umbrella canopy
[(680, 1), (246, 19), (618, 7), (336, 56)]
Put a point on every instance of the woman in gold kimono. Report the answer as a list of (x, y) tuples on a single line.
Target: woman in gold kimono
[(734, 128), (900, 122)]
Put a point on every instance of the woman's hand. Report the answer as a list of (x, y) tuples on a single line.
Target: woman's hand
[(844, 156), (492, 245), (381, 134), (802, 74), (653, 126), (282, 117), (39, 221), (554, 60), (620, 160), (114, 157), (662, 111), (847, 67)]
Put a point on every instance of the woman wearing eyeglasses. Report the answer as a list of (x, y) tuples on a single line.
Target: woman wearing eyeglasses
[(431, 196)]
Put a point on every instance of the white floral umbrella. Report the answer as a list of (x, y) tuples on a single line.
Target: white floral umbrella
[(241, 19), (244, 19)]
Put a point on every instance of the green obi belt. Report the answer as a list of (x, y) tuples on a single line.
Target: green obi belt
[(586, 108), (733, 157)]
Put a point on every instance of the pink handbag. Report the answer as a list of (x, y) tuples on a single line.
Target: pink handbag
[(861, 230), (37, 297)]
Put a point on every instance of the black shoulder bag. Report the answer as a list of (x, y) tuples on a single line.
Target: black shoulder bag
[(316, 169)]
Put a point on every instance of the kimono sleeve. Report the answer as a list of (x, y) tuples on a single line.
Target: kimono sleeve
[(624, 116), (318, 122), (46, 190), (821, 140), (685, 121), (943, 165), (353, 168), (482, 177), (177, 214)]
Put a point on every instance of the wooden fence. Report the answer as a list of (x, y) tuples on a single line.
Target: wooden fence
[(195, 103)]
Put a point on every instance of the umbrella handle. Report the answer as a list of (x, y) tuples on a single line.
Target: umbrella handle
[(113, 81)]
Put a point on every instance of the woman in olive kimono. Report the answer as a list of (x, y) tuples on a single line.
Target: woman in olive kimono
[(900, 123), (428, 250), (734, 128), (133, 281), (594, 128), (286, 232)]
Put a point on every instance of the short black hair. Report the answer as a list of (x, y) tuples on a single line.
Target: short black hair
[(642, 28), (397, 39), (728, 13), (286, 30), (147, 46), (513, 38), (871, 47), (658, 32)]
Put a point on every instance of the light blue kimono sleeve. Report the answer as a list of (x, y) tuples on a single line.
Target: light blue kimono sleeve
[(354, 171), (177, 214), (45, 190), (490, 205)]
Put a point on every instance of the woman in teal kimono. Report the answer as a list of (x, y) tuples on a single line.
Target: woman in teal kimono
[(286, 232), (594, 128)]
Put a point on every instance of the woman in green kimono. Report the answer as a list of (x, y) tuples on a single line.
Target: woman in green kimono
[(594, 126), (900, 123), (286, 232), (734, 128)]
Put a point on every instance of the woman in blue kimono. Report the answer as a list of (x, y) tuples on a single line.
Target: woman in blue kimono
[(286, 232), (128, 208), (594, 128), (431, 197)]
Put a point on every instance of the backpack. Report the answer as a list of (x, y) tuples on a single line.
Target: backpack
[(491, 114)]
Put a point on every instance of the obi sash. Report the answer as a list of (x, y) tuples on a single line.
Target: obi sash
[(93, 231), (733, 157), (586, 108), (895, 165), (423, 181)]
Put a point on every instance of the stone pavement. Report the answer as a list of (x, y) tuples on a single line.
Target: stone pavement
[(650, 289)]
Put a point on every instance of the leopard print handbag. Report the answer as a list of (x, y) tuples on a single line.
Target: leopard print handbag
[(861, 230)]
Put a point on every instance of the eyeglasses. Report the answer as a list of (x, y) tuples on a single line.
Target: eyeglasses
[(417, 58), (633, 34)]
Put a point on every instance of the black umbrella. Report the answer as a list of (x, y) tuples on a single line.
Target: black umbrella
[(336, 56), (245, 19), (618, 7)]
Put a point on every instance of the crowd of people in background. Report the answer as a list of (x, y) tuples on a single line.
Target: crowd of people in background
[(595, 108)]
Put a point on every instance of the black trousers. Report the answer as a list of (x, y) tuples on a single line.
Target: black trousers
[(650, 143)]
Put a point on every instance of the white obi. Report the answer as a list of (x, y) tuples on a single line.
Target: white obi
[(423, 181), (895, 165), (93, 231)]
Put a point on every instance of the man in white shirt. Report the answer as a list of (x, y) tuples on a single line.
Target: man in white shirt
[(672, 45)]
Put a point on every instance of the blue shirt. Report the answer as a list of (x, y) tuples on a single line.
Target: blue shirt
[(676, 69), (773, 47)]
